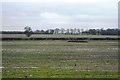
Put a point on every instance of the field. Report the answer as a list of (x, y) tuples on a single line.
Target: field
[(56, 36), (59, 59)]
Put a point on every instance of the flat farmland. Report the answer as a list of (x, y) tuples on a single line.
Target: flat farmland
[(59, 59), (56, 36)]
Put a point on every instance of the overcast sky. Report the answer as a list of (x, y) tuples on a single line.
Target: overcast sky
[(51, 14)]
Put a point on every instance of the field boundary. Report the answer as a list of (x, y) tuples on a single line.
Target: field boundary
[(60, 38)]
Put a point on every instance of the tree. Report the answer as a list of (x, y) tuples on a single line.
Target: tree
[(28, 31), (68, 31), (56, 31), (62, 30), (71, 31), (79, 32), (42, 32)]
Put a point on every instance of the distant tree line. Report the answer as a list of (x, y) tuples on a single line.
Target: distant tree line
[(11, 32), (79, 31), (67, 31), (102, 32)]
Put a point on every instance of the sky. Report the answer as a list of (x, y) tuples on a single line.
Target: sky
[(51, 14)]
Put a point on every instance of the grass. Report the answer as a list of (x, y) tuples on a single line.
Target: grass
[(53, 73), (73, 36), (60, 59), (58, 36)]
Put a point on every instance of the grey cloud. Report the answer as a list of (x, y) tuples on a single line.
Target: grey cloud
[(21, 14)]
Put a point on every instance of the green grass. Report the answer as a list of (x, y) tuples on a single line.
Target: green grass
[(53, 73), (57, 59)]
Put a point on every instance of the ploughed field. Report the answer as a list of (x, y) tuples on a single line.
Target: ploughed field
[(59, 59)]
